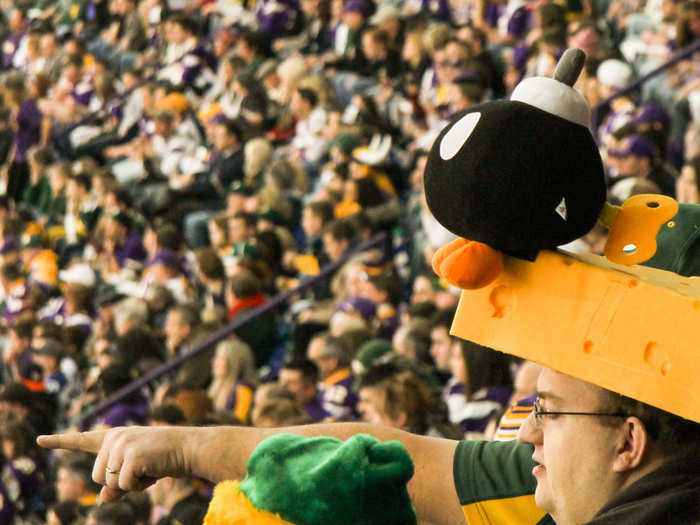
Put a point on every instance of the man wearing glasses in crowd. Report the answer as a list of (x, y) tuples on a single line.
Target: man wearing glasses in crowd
[(596, 457)]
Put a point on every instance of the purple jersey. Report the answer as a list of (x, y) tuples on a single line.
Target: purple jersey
[(7, 508), (82, 92), (133, 413), (9, 48), (474, 413), (21, 480), (131, 249), (337, 396), (28, 131), (278, 17), (314, 409)]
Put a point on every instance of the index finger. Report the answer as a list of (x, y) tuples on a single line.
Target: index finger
[(86, 441)]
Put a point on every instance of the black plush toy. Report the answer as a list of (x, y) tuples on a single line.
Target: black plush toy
[(515, 177)]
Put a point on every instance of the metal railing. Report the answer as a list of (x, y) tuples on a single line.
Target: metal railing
[(675, 58), (224, 332)]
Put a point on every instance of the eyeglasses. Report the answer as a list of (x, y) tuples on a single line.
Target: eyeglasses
[(539, 413)]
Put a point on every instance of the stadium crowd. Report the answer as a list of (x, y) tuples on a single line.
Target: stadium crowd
[(170, 165)]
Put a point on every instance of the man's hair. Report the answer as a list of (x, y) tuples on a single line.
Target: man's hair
[(321, 209), (41, 155), (79, 467), (169, 236), (675, 436), (250, 219), (417, 340), (335, 348), (282, 412), (80, 295), (307, 368), (309, 95), (168, 413), (67, 511), (379, 37), (234, 128), (210, 264), (421, 310), (388, 283), (480, 35), (183, 21), (444, 318), (245, 284), (254, 40), (113, 513), (10, 271), (188, 314), (340, 229), (83, 180), (23, 329)]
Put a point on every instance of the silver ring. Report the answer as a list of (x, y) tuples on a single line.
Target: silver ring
[(110, 471)]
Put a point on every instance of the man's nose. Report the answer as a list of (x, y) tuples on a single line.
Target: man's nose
[(529, 432)]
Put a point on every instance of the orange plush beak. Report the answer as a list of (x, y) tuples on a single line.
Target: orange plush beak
[(468, 264)]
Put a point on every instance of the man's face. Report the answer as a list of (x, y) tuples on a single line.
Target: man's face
[(293, 381), (575, 453), (440, 348), (310, 223), (422, 290), (333, 247), (237, 230), (222, 139), (326, 366), (176, 331), (67, 486)]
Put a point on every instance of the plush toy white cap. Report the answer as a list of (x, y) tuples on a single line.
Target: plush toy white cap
[(555, 95)]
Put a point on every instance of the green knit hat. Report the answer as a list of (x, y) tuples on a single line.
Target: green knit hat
[(325, 481), (371, 353)]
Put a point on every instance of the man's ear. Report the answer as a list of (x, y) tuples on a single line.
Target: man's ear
[(632, 445)]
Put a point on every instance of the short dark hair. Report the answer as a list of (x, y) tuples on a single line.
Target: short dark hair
[(676, 437), (388, 283), (244, 285), (235, 128), (168, 413), (309, 95), (308, 369), (340, 229), (68, 511), (210, 264), (113, 513), (423, 309), (335, 347), (183, 21), (23, 329), (188, 314), (250, 219), (444, 318), (169, 236), (83, 181), (80, 467), (321, 209)]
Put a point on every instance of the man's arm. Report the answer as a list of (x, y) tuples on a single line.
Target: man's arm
[(142, 454)]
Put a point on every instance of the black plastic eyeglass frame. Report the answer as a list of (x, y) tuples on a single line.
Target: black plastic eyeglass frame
[(538, 412)]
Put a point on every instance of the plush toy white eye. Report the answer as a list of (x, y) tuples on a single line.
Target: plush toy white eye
[(458, 135)]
